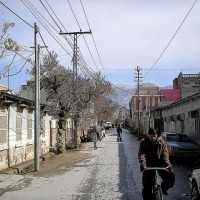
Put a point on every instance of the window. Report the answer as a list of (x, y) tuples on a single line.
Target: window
[(3, 129), (42, 125), (193, 114), (29, 128), (19, 128)]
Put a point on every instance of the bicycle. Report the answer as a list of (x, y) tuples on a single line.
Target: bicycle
[(156, 187)]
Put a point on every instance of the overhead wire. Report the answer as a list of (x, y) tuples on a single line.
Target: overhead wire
[(17, 15), (171, 39), (144, 69), (40, 22), (96, 46), (92, 37), (83, 35), (68, 40), (18, 71), (32, 9), (74, 14)]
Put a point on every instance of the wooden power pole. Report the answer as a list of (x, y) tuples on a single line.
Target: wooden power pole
[(138, 80), (75, 63)]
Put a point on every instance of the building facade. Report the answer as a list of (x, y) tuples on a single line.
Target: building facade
[(17, 130), (141, 102), (188, 84), (183, 117), (177, 109)]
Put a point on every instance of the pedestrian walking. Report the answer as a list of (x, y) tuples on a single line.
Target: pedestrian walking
[(119, 131), (94, 136)]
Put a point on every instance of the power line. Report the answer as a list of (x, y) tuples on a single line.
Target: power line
[(16, 15), (74, 14), (93, 37), (167, 69), (69, 42), (171, 38), (83, 35), (31, 9)]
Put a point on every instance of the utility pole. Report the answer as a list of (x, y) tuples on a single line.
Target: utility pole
[(149, 109), (37, 105), (37, 102), (138, 77), (74, 86)]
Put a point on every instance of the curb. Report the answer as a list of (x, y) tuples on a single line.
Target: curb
[(28, 166)]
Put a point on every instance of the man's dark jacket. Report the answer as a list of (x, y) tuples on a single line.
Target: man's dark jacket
[(153, 154)]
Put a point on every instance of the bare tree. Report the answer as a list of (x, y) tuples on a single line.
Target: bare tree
[(10, 50), (58, 84), (89, 101), (102, 93)]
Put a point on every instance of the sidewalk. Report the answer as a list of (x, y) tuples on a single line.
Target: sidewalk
[(49, 161), (10, 179)]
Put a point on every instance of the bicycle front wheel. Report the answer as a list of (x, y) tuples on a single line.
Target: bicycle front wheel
[(157, 193)]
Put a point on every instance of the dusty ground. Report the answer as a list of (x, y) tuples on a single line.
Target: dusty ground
[(52, 162), (66, 159)]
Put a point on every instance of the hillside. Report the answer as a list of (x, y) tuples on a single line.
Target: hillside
[(124, 93)]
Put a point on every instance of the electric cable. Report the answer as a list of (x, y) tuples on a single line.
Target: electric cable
[(69, 42), (93, 37), (46, 28), (17, 15), (171, 38), (83, 35)]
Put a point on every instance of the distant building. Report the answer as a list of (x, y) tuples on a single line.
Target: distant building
[(168, 96), (4, 88), (175, 110), (27, 91), (188, 84), (149, 97)]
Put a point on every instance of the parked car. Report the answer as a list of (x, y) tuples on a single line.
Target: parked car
[(89, 132), (83, 138), (180, 145), (107, 125), (194, 181)]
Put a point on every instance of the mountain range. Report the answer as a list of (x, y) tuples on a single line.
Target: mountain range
[(124, 93)]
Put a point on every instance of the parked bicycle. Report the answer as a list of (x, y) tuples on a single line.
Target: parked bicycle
[(156, 186)]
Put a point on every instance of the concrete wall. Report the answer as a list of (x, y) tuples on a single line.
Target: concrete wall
[(14, 152), (184, 124)]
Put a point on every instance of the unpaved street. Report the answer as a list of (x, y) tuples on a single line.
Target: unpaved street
[(109, 173)]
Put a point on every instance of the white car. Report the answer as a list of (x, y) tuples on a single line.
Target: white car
[(194, 181), (107, 125)]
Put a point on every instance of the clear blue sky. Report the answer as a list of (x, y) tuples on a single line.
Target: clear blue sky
[(162, 37)]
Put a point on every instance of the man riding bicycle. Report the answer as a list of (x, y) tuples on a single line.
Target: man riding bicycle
[(153, 152)]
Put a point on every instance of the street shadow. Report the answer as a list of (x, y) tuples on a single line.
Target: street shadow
[(186, 162), (129, 174)]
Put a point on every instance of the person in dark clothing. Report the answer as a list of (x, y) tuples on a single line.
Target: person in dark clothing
[(153, 152), (119, 131)]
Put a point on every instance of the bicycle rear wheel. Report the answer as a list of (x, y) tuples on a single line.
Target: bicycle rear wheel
[(157, 193)]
